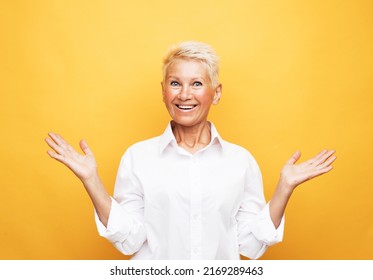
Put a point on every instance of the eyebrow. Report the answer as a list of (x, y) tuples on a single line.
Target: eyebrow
[(194, 78)]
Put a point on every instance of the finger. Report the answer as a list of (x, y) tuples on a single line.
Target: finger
[(85, 148), (57, 148), (324, 157), (320, 171), (61, 141), (328, 162), (55, 137), (294, 158), (56, 156), (317, 157)]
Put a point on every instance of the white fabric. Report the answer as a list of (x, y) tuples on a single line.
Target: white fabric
[(170, 204)]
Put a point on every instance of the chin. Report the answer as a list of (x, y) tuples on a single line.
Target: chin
[(186, 123)]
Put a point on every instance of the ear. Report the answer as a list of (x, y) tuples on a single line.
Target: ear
[(162, 91), (217, 95)]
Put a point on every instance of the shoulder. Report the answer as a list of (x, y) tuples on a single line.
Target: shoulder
[(145, 148), (148, 144), (235, 149), (239, 153), (142, 151)]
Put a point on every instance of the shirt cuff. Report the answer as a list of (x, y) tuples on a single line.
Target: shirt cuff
[(118, 226), (264, 230)]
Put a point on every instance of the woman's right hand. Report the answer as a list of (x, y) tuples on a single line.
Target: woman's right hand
[(84, 166)]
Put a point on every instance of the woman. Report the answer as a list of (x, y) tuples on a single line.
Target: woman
[(188, 194)]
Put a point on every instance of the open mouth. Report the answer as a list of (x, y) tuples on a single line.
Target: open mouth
[(186, 107)]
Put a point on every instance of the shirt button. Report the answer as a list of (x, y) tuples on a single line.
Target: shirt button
[(195, 216)]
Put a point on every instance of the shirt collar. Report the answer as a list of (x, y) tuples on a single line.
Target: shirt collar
[(167, 138)]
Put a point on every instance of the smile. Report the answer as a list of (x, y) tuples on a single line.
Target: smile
[(186, 107)]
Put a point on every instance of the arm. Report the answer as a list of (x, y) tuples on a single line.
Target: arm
[(292, 175), (255, 229), (126, 228), (85, 168)]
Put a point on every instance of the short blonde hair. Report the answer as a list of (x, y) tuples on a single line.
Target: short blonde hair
[(197, 51)]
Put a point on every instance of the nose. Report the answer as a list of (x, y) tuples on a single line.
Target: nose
[(184, 93)]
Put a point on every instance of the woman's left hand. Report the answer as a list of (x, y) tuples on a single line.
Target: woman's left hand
[(293, 174)]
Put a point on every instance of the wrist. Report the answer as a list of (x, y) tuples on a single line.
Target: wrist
[(284, 187), (91, 181)]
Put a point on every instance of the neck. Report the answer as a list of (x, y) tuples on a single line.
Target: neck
[(192, 138)]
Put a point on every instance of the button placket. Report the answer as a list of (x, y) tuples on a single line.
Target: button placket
[(195, 210)]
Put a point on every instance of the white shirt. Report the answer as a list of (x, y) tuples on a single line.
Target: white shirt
[(170, 204)]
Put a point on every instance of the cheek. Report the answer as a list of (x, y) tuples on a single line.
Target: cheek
[(205, 98), (168, 96)]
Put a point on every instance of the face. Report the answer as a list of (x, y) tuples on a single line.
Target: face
[(188, 93)]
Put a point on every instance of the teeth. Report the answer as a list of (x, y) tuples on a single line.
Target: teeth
[(185, 107)]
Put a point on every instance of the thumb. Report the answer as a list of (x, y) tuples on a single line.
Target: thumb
[(84, 146), (294, 158)]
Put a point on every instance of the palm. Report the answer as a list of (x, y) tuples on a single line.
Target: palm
[(295, 174), (84, 166)]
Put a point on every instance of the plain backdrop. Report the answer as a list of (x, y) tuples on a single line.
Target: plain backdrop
[(295, 75)]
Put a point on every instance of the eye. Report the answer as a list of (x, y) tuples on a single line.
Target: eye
[(197, 84), (174, 83)]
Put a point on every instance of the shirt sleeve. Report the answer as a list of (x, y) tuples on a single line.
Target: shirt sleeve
[(255, 228), (125, 227)]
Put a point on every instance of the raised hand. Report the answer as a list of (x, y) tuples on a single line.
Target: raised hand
[(84, 166), (295, 174)]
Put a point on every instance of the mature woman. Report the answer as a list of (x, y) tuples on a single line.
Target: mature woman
[(189, 194)]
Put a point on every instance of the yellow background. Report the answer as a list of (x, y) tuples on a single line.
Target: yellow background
[(295, 74)]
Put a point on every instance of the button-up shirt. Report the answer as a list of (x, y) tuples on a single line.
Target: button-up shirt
[(171, 204)]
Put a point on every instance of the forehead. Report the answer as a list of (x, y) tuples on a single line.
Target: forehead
[(187, 68)]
